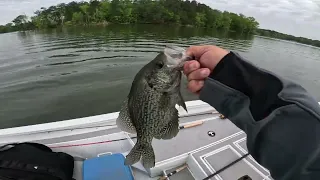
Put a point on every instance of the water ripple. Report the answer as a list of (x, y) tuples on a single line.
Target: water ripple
[(64, 55), (89, 59)]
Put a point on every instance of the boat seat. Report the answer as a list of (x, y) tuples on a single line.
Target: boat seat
[(107, 167)]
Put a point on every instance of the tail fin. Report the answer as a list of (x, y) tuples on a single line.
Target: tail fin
[(144, 150)]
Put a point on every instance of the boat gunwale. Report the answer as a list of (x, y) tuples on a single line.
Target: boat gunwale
[(83, 122)]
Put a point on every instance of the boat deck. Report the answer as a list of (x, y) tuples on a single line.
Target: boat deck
[(202, 153)]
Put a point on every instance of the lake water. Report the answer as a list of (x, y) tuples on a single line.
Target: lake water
[(76, 72)]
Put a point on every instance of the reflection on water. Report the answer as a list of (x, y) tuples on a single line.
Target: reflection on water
[(67, 73)]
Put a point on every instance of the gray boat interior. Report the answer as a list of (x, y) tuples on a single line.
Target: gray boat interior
[(205, 148)]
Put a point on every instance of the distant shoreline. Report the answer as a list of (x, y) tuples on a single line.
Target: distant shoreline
[(190, 26), (289, 41), (181, 13)]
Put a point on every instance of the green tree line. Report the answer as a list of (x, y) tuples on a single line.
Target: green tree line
[(180, 12)]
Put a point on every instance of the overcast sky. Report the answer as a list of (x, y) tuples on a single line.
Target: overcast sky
[(296, 17)]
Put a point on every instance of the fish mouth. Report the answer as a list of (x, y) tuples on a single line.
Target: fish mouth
[(176, 57)]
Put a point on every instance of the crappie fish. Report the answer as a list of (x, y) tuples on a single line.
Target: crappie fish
[(149, 110)]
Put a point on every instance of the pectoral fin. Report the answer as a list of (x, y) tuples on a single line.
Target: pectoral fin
[(181, 102), (124, 121)]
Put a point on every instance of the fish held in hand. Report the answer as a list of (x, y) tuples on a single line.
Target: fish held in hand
[(149, 110)]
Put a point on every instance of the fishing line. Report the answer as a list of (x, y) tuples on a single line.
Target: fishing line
[(196, 114), (226, 167)]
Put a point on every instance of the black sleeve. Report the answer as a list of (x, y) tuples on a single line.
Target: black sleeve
[(281, 120)]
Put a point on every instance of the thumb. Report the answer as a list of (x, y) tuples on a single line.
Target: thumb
[(196, 51)]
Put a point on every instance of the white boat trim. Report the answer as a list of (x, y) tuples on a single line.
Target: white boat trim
[(212, 170), (202, 148)]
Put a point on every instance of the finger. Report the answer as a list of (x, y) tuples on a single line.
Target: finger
[(190, 66), (199, 74), (193, 51), (195, 85), (197, 51)]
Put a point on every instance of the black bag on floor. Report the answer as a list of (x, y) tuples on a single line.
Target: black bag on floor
[(32, 161)]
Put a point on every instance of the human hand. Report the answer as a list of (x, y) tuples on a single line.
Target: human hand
[(206, 59)]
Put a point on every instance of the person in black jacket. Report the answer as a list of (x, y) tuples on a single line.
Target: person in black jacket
[(280, 118)]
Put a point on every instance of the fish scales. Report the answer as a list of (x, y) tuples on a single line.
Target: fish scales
[(149, 110)]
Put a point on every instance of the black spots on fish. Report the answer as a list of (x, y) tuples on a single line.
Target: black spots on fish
[(134, 155), (144, 151), (148, 157), (151, 109), (150, 81), (124, 121), (169, 131)]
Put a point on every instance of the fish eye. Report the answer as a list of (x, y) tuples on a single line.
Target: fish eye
[(159, 65)]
